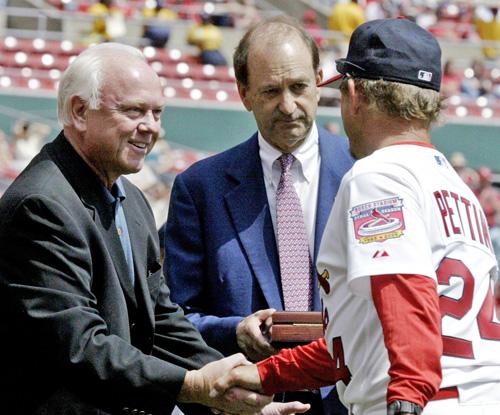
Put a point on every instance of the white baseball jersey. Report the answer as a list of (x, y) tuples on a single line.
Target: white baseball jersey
[(404, 210)]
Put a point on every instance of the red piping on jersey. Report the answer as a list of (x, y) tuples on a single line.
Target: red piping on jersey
[(414, 143)]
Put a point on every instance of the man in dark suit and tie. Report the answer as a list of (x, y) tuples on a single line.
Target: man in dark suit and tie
[(228, 257), (86, 323)]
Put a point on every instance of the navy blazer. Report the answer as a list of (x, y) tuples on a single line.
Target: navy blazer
[(221, 259)]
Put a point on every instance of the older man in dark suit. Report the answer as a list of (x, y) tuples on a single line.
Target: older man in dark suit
[(86, 322)]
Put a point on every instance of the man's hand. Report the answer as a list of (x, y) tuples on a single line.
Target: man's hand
[(278, 408), (252, 335), (286, 408), (198, 385), (245, 376)]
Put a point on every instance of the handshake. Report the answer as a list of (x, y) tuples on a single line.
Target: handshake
[(232, 386)]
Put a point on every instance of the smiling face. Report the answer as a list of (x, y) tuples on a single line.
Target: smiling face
[(281, 90), (118, 136)]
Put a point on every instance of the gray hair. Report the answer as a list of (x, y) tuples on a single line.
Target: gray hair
[(84, 76)]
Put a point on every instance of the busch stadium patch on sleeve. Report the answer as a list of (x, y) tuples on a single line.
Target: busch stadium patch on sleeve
[(379, 220)]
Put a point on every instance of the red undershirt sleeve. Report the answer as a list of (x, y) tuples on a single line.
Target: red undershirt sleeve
[(408, 309), (303, 367)]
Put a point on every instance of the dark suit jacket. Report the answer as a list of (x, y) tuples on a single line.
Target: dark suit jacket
[(76, 338), (221, 259)]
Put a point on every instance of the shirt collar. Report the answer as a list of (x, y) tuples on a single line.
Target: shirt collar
[(117, 192), (305, 154)]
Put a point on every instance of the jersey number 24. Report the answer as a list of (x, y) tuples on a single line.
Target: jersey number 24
[(458, 308)]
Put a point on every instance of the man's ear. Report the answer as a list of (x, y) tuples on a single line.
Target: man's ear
[(319, 78), (243, 91), (355, 97), (78, 113)]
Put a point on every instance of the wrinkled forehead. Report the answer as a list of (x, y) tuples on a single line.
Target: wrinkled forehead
[(276, 52), (134, 81)]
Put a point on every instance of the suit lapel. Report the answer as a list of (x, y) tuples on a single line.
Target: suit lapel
[(139, 247), (86, 184), (249, 210), (108, 231), (335, 161), (327, 188)]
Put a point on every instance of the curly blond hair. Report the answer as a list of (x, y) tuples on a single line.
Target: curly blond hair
[(399, 100)]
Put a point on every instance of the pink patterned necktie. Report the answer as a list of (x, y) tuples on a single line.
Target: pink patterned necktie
[(293, 246)]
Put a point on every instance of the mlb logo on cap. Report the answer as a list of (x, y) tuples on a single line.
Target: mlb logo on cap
[(424, 76), (396, 50)]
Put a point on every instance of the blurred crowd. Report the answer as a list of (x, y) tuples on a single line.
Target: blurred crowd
[(449, 21), (464, 78), (481, 183), (26, 138), (206, 20)]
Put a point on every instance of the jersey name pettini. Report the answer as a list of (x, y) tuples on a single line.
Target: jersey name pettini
[(461, 216)]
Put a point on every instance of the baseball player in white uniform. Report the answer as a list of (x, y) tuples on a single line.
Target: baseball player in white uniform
[(406, 265)]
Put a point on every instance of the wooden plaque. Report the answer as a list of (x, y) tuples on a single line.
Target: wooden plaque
[(292, 328)]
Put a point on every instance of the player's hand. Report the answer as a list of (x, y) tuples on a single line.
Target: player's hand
[(198, 385), (252, 335)]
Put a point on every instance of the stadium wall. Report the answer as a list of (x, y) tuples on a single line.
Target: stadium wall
[(215, 127)]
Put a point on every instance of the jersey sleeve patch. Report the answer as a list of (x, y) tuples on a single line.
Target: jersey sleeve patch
[(379, 220)]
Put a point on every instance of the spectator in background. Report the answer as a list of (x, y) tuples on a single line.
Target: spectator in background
[(309, 21), (5, 152), (452, 79), (208, 39), (344, 18), (374, 10), (488, 196), (109, 22), (425, 16), (157, 30), (467, 174), (27, 140), (487, 21), (453, 21), (246, 14), (99, 31), (476, 81)]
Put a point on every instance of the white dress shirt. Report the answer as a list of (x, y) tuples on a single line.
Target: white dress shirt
[(305, 174)]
